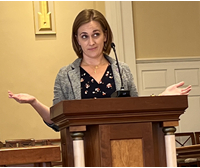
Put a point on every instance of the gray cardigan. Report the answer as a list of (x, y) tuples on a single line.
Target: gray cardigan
[(68, 87)]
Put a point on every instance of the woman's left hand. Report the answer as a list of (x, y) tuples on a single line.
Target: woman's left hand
[(175, 90)]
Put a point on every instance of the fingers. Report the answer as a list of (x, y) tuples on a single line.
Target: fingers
[(186, 90), (180, 84), (10, 94), (189, 87), (20, 98), (14, 96), (17, 97)]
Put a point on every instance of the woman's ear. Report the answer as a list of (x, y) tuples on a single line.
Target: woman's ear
[(105, 36), (77, 39)]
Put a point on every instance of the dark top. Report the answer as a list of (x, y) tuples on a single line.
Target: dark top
[(90, 88)]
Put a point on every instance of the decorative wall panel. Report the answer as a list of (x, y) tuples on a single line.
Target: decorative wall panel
[(44, 17), (155, 75)]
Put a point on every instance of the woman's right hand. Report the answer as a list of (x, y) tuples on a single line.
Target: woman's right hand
[(22, 97)]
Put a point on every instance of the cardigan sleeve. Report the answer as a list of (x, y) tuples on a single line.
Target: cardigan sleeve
[(53, 126)]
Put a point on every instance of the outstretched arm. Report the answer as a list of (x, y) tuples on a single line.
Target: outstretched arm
[(42, 109), (175, 90)]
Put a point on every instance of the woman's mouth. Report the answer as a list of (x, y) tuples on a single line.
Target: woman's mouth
[(92, 48)]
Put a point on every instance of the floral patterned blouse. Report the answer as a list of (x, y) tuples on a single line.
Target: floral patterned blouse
[(91, 89)]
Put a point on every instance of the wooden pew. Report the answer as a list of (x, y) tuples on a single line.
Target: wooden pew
[(188, 151), (192, 151), (197, 137), (41, 156), (51, 142), (2, 144)]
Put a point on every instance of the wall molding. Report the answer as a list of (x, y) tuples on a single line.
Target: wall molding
[(120, 18), (166, 60)]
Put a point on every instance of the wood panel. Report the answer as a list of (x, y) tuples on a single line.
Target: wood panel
[(90, 111), (136, 131), (92, 149), (102, 144), (67, 148), (159, 145), (127, 153), (39, 154)]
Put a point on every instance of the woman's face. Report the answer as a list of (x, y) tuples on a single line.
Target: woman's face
[(91, 38)]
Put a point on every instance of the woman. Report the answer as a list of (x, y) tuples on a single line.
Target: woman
[(94, 74)]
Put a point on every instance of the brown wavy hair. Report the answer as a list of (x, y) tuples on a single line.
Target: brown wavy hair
[(85, 16)]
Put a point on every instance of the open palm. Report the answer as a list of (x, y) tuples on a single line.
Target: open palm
[(21, 97), (175, 90)]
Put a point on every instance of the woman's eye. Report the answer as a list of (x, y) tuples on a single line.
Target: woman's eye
[(84, 36), (96, 34)]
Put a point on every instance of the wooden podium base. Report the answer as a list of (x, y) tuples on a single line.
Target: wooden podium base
[(120, 145)]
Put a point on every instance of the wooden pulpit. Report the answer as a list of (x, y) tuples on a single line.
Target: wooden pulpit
[(118, 132)]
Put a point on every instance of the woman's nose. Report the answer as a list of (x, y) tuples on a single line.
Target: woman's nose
[(91, 41)]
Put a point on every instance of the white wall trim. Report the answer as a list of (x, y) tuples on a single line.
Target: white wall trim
[(120, 17), (165, 60)]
